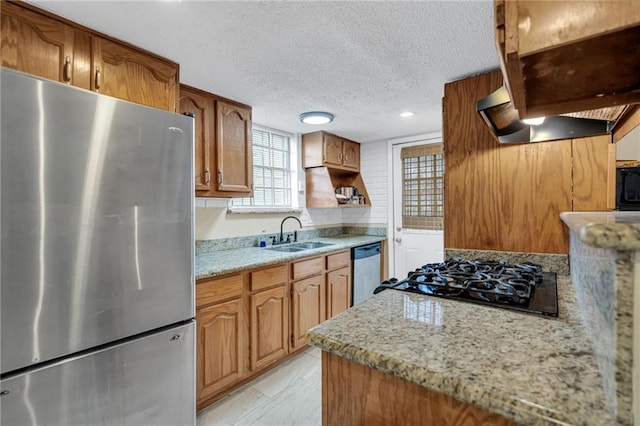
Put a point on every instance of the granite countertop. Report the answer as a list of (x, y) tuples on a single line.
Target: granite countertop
[(618, 230), (534, 370), (227, 261)]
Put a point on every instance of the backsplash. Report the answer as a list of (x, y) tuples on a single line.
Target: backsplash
[(208, 246)]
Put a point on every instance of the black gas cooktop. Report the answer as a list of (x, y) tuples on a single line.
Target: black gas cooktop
[(519, 286)]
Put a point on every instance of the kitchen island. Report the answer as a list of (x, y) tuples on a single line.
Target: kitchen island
[(529, 369)]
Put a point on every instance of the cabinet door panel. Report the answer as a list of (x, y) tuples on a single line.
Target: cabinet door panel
[(338, 291), (36, 44), (221, 347), (234, 150), (332, 154), (351, 154), (129, 74), (202, 109), (269, 326), (308, 307)]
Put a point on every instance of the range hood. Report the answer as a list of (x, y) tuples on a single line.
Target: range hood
[(503, 120)]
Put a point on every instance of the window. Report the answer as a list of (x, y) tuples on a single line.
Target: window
[(273, 170), (422, 186)]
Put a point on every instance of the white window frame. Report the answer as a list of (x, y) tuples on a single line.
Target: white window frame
[(293, 175)]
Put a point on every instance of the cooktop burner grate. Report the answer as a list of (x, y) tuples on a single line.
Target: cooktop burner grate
[(519, 286)]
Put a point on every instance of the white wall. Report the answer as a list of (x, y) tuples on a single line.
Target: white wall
[(628, 148), (215, 222), (374, 170)]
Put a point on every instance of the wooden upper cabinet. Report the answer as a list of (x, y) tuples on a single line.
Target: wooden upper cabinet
[(325, 149), (568, 56), (234, 148), (223, 144), (193, 102), (36, 44), (42, 44), (127, 73)]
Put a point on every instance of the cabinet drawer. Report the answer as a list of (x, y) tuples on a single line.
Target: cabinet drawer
[(216, 289), (337, 260), (307, 268), (269, 277)]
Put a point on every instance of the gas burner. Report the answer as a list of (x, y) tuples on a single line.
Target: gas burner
[(522, 286)]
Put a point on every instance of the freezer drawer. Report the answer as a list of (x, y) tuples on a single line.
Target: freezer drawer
[(145, 381)]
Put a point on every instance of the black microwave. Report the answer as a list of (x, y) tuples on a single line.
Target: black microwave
[(628, 188)]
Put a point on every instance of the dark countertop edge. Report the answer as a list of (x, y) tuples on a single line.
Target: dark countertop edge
[(342, 244)]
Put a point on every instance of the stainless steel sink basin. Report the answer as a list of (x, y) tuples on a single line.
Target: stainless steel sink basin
[(312, 245), (287, 249), (295, 247)]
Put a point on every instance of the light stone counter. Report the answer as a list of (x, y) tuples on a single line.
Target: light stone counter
[(534, 370), (616, 230), (221, 262)]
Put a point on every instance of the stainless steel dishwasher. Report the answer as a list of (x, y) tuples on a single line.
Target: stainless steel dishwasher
[(366, 271)]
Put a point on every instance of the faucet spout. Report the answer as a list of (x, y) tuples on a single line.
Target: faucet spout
[(282, 224)]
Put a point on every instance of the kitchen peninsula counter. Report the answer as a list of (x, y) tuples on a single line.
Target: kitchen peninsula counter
[(618, 230), (222, 262), (533, 370)]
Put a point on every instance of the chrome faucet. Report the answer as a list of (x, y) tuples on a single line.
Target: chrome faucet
[(295, 233)]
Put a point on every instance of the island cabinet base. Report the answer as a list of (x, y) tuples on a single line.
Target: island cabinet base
[(353, 394)]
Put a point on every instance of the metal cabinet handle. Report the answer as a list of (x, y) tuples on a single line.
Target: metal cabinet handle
[(207, 177), (219, 176), (66, 70), (98, 78), (398, 228), (398, 240)]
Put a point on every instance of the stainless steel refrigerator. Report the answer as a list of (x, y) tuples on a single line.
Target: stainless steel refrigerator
[(97, 280)]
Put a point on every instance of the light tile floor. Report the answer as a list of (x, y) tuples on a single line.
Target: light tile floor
[(288, 395)]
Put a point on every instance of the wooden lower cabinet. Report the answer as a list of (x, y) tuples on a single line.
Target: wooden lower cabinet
[(222, 346), (269, 326), (353, 394), (307, 307), (338, 291)]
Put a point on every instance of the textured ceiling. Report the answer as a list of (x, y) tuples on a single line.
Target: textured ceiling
[(364, 61)]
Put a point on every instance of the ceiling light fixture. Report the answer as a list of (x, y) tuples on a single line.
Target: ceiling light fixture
[(406, 114), (316, 117), (533, 121)]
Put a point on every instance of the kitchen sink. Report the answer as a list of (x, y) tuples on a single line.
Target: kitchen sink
[(312, 245), (287, 249), (296, 247)]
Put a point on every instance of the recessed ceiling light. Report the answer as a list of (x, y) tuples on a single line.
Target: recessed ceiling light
[(316, 117), (533, 121), (406, 114)]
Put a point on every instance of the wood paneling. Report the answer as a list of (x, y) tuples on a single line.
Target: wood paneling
[(627, 123), (593, 179), (222, 346), (353, 394), (269, 326), (218, 289), (500, 197), (338, 291), (307, 307)]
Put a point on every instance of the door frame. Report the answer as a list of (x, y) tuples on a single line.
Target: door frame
[(418, 139)]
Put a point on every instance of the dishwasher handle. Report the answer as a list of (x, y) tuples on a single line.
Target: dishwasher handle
[(365, 251)]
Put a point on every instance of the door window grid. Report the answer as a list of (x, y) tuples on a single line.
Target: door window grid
[(422, 187), (271, 171)]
